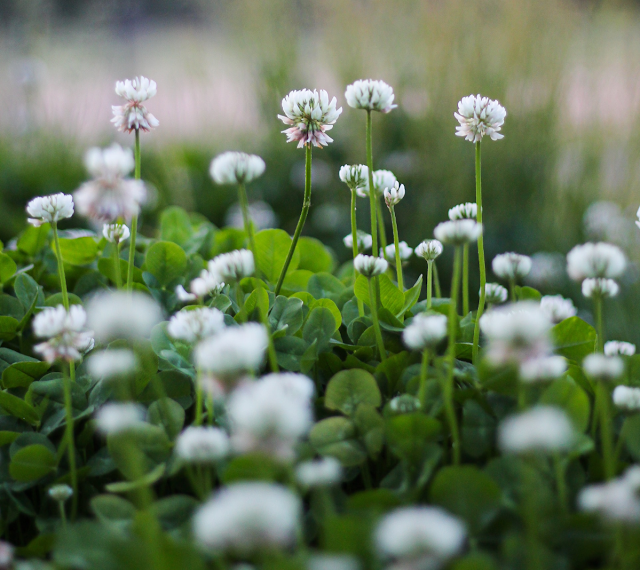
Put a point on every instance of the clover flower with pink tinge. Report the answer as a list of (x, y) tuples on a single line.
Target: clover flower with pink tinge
[(479, 116), (67, 337), (133, 115)]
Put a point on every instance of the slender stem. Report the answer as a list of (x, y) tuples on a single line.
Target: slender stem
[(271, 349), (606, 437), (303, 216), (63, 279), (373, 200), (597, 309), (134, 219), (483, 271), (448, 385), (354, 238), (381, 229), (69, 434), (116, 265), (531, 517), (561, 483), (239, 297), (211, 410), (366, 475), (465, 279), (199, 400), (248, 224), (436, 281), (376, 323), (429, 282), (63, 514), (396, 244), (424, 371)]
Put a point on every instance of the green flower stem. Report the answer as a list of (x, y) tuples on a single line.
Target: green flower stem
[(436, 281), (606, 437), (248, 225), (465, 279), (63, 514), (530, 514), (303, 216), (561, 484), (63, 279), (372, 195), (354, 238), (429, 282), (239, 297), (483, 271), (116, 265), (134, 219), (271, 349), (376, 323), (396, 244), (67, 380), (381, 229), (424, 371), (447, 389), (597, 310), (211, 410), (199, 400)]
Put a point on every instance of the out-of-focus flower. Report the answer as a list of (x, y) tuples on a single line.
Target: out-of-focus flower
[(511, 265), (601, 367), (321, 472), (467, 211), (425, 331), (547, 270), (383, 179), (542, 368), (429, 249), (617, 500), (394, 194), (60, 493), (371, 95), (458, 232), (6, 555), (370, 266), (260, 213), (627, 398), (543, 429), (593, 287), (619, 348), (115, 233), (310, 115), (47, 209), (333, 562), (232, 266), (557, 308), (604, 221), (365, 241), (119, 418), (198, 444), (390, 252), (236, 168), (194, 325), (595, 260), (66, 334), (495, 294), (133, 115), (479, 116), (356, 177), (246, 517), (111, 363), (200, 287)]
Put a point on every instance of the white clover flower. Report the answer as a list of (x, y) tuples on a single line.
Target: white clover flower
[(466, 211), (59, 493), (322, 472), (593, 287), (356, 177), (419, 537), (333, 562), (495, 294), (543, 429), (115, 418), (365, 241), (6, 555), (197, 444), (458, 232), (390, 252), (590, 260), (310, 115), (116, 233), (48, 209), (66, 334), (616, 500), (232, 352), (207, 283), (429, 249), (371, 95), (110, 195), (246, 517), (516, 332), (260, 213), (627, 398), (122, 314), (292, 383), (557, 308), (425, 331), (194, 325), (133, 115), (383, 179), (232, 266), (511, 265), (542, 368), (393, 195), (618, 347), (547, 270), (602, 367), (479, 116), (236, 168), (370, 266), (111, 363)]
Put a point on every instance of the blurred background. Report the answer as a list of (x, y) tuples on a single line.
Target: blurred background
[(568, 74)]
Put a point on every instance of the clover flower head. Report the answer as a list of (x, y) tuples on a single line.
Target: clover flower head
[(65, 331), (356, 177), (595, 260), (194, 325), (247, 517), (599, 287), (365, 241), (383, 179), (111, 163), (322, 472), (495, 294), (394, 195), (115, 233), (133, 115), (236, 168), (425, 331), (543, 429), (627, 398), (112, 363), (371, 95), (232, 266), (511, 266), (557, 308), (479, 116), (542, 368), (115, 418), (333, 562), (616, 500), (429, 249), (458, 232), (48, 209), (466, 211), (602, 367), (619, 348), (547, 270), (370, 266), (310, 115), (206, 283), (60, 493), (197, 444), (390, 252)]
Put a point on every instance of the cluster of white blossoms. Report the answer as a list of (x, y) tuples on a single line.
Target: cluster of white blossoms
[(383, 179), (114, 418), (511, 266), (246, 517), (198, 444), (390, 252), (196, 324), (110, 195), (232, 266), (370, 95), (205, 284), (425, 331), (466, 211), (370, 266), (495, 294), (557, 308), (65, 331), (322, 472), (458, 232), (115, 233), (48, 209), (602, 367), (310, 115), (627, 398), (599, 287), (394, 194), (271, 414), (547, 270), (429, 249), (543, 429), (133, 115), (619, 348), (112, 363), (236, 168), (59, 493), (479, 116), (356, 177), (419, 537), (617, 500), (542, 368), (595, 260), (365, 241)]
